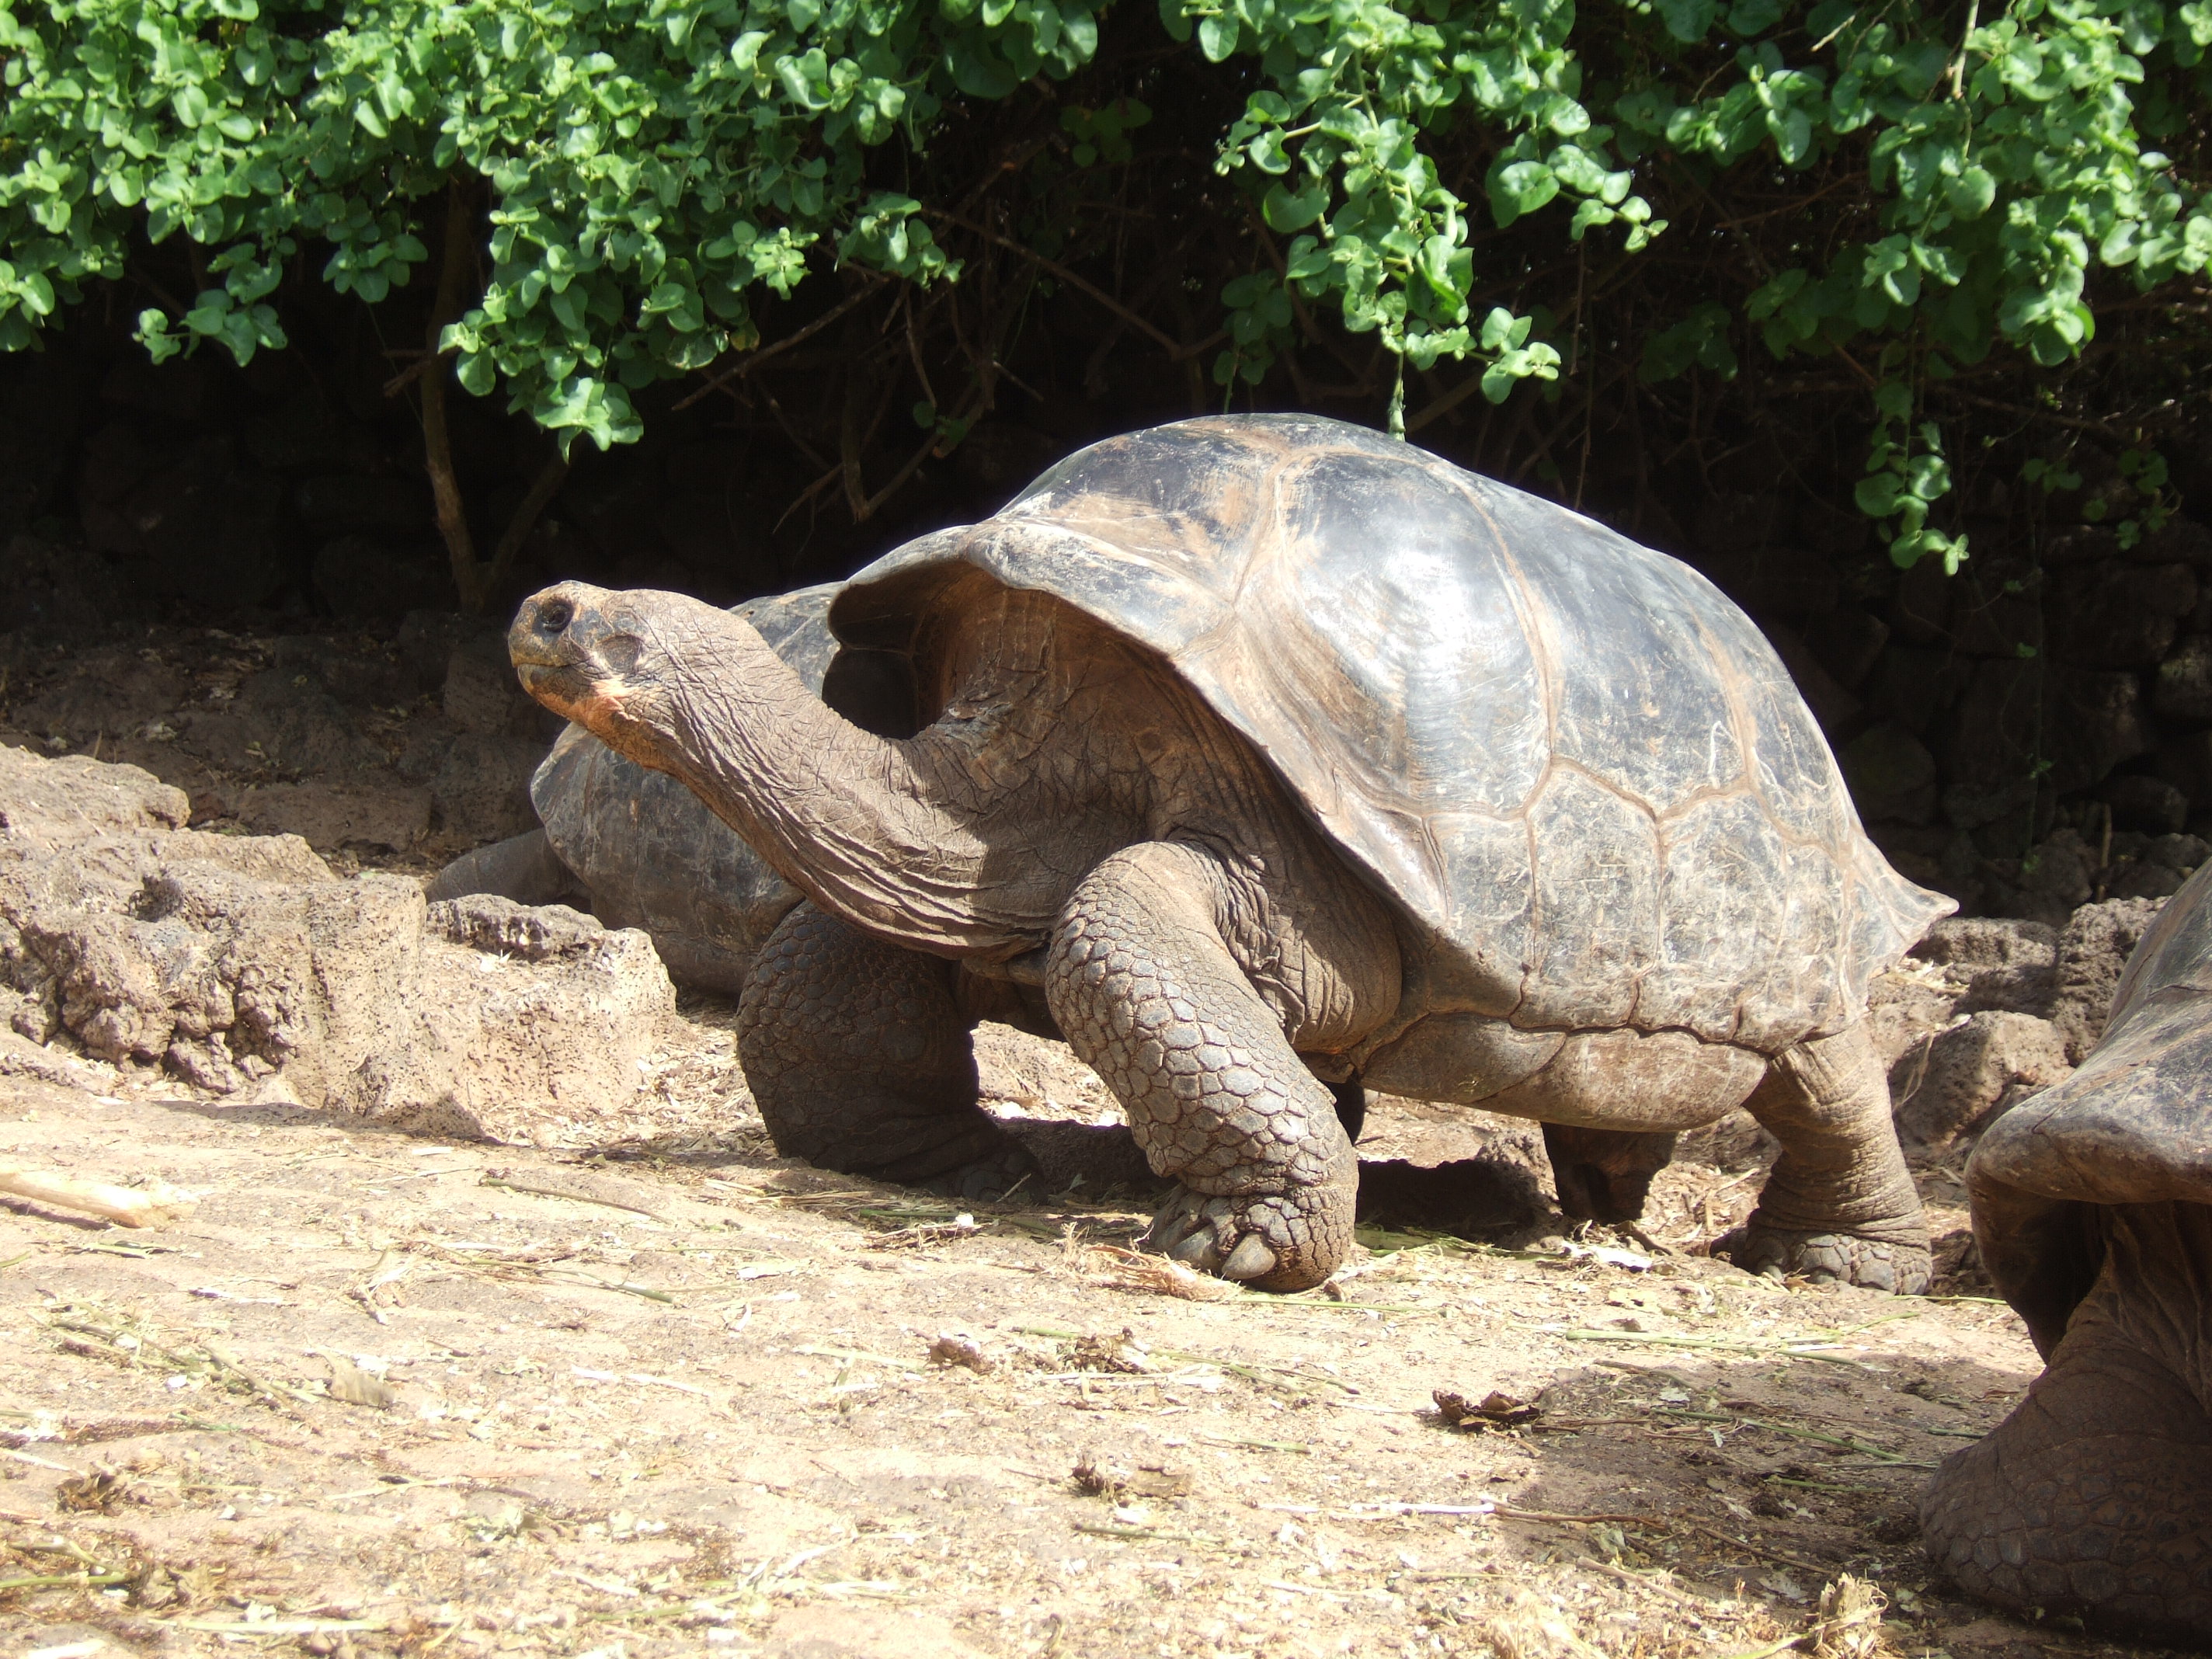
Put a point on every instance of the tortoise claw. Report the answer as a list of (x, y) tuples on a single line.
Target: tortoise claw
[(1251, 1258), (1262, 1239), (1828, 1258)]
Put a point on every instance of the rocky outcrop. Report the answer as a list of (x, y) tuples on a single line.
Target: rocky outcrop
[(1988, 1011), (241, 964)]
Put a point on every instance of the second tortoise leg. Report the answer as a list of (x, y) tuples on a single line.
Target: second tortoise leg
[(860, 1061), (1146, 992), (1839, 1203)]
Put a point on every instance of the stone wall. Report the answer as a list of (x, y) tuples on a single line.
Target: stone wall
[(2030, 735)]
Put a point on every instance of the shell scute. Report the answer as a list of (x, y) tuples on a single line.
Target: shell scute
[(1723, 893), (1511, 720), (1596, 905)]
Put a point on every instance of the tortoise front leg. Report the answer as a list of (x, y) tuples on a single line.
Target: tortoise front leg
[(1839, 1202), (1147, 994), (860, 1061), (2095, 1496)]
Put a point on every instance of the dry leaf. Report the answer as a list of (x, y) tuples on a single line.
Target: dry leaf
[(351, 1384)]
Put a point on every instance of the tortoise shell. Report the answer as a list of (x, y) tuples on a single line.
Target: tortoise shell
[(1580, 773), (2128, 1127)]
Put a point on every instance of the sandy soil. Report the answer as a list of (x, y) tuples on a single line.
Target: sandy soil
[(380, 1395)]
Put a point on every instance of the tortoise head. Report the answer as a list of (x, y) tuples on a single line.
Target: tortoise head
[(612, 662)]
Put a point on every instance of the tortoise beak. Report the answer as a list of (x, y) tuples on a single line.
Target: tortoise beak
[(568, 652)]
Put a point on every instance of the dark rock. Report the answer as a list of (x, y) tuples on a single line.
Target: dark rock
[(1915, 687), (482, 789), (2144, 880), (368, 577), (1848, 641), (422, 755), (337, 504), (426, 640), (1775, 581), (103, 694), (1981, 942), (2116, 615), (2094, 949), (2182, 690), (2047, 884), (2011, 963), (2018, 715), (301, 434), (2152, 867), (2185, 761), (44, 403), (283, 722), (208, 529), (2079, 544), (1914, 851), (2183, 852), (482, 694), (2187, 540), (46, 590), (380, 812), (2144, 803), (1920, 610), (1957, 1081), (1891, 774), (2093, 722), (363, 676), (182, 390), (1836, 531), (113, 462), (1998, 613)]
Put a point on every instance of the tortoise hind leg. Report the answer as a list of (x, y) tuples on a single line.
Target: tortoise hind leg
[(860, 1061), (1604, 1174), (1839, 1203)]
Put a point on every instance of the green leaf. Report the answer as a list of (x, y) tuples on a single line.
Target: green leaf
[(1520, 188), (1289, 211), (1687, 20)]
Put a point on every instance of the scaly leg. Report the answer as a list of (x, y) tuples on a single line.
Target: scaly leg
[(860, 1060), (1147, 992), (1839, 1203), (2095, 1496)]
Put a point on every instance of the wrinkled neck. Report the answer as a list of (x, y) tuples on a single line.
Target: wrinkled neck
[(879, 832)]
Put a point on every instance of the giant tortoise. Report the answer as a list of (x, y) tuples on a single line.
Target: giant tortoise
[(639, 849), (1280, 756), (2094, 1496)]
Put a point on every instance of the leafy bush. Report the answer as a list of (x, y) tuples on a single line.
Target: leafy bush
[(654, 168)]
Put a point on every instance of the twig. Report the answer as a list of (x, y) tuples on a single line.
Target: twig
[(543, 490), (155, 1206), (58, 1580), (1176, 349), (1660, 1340), (738, 371), (437, 444), (2049, 416), (1844, 1442)]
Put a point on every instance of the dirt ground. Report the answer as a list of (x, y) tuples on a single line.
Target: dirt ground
[(641, 1387)]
